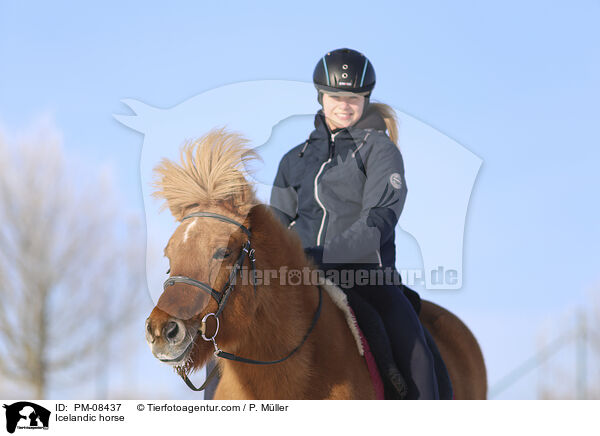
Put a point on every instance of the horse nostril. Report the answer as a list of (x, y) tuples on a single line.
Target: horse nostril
[(171, 330), (149, 336)]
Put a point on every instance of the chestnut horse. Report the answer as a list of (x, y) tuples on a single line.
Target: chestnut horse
[(225, 234)]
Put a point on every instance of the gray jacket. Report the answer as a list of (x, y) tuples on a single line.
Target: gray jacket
[(343, 191)]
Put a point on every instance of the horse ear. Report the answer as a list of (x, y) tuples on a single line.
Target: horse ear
[(244, 200), (177, 212)]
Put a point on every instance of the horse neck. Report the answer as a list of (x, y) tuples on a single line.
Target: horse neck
[(282, 318)]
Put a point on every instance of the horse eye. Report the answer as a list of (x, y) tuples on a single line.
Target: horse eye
[(222, 253)]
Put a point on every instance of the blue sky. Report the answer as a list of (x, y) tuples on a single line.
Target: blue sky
[(515, 83)]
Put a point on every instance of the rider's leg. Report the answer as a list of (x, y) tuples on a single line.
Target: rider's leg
[(409, 346), (370, 323)]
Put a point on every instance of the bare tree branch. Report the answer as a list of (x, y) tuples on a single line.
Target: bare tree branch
[(67, 282)]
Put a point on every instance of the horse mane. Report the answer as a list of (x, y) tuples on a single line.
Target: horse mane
[(212, 170)]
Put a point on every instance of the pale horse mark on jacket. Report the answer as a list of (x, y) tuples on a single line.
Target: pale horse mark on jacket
[(439, 171)]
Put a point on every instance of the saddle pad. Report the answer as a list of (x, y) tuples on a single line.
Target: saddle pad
[(339, 298)]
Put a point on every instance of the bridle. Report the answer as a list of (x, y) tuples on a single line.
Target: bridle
[(219, 297), (222, 297)]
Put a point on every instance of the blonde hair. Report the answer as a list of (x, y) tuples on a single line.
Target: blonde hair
[(389, 117)]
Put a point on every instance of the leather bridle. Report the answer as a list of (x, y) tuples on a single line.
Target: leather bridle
[(219, 297), (222, 297)]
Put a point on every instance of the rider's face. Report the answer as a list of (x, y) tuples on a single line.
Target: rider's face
[(342, 111)]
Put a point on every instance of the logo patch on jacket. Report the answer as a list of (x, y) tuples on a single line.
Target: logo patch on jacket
[(396, 180)]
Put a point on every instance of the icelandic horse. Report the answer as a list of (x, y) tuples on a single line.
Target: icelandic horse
[(298, 330)]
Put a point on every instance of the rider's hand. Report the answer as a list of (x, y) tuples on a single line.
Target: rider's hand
[(315, 253)]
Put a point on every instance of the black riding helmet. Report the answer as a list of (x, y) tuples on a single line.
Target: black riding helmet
[(344, 70)]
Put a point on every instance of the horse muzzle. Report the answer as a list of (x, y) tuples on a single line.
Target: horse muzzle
[(169, 340)]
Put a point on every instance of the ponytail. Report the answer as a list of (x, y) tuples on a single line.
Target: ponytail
[(389, 116)]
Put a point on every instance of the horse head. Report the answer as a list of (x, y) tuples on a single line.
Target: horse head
[(209, 182)]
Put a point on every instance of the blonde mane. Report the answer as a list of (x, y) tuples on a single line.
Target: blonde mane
[(212, 170)]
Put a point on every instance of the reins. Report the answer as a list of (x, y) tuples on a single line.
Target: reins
[(222, 297)]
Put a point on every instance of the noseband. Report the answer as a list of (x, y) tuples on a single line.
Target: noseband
[(222, 297)]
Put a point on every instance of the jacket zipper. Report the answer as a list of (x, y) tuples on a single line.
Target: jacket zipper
[(317, 190), (361, 144)]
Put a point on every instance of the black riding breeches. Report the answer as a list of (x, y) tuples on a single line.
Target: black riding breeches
[(409, 345)]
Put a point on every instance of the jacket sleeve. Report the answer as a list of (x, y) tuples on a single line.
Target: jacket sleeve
[(383, 199), (284, 198)]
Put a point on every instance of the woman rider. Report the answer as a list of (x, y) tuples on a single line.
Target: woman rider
[(342, 191)]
